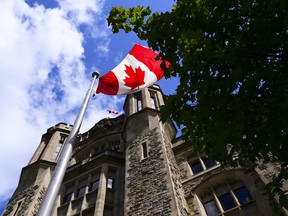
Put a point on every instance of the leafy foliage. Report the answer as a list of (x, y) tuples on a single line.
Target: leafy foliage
[(231, 59)]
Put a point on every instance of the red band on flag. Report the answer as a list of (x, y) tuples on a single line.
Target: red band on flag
[(108, 84)]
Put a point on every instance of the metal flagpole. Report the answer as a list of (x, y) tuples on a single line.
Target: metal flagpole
[(52, 191)]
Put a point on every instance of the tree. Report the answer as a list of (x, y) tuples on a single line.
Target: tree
[(231, 59)]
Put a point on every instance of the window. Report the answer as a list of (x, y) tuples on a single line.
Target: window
[(201, 165), (196, 167), (144, 150), (226, 200), (67, 198), (81, 191), (154, 103), (94, 185), (57, 151), (110, 183), (208, 163), (211, 208), (243, 195), (139, 101)]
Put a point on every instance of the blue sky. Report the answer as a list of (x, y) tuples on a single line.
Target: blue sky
[(48, 51)]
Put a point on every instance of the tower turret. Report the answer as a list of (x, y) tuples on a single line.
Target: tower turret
[(36, 175), (152, 178)]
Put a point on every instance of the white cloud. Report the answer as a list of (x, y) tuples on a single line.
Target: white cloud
[(43, 79), (81, 11)]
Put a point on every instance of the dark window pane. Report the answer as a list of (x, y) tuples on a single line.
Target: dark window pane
[(94, 185), (81, 191), (67, 198), (243, 195), (196, 167), (226, 201), (144, 150), (208, 163), (211, 208)]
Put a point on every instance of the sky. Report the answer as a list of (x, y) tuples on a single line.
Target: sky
[(49, 49)]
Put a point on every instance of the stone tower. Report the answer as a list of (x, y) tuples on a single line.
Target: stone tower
[(152, 178), (36, 175)]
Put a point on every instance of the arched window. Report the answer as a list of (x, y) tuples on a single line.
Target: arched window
[(225, 198)]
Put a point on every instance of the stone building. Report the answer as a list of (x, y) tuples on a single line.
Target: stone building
[(134, 165)]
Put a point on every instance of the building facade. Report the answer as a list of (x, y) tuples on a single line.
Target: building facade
[(134, 165)]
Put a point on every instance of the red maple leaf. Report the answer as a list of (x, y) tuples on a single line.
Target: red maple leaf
[(134, 78)]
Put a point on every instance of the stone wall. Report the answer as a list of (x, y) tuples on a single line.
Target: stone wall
[(175, 177), (22, 202), (148, 193)]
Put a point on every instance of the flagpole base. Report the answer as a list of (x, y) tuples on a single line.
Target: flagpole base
[(95, 73)]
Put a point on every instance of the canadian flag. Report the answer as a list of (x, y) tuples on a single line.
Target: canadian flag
[(137, 70)]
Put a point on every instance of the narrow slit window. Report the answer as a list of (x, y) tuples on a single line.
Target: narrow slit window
[(110, 183), (154, 103), (139, 102), (144, 150), (57, 151)]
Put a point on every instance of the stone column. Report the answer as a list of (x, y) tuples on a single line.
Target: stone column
[(100, 202)]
